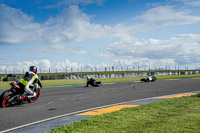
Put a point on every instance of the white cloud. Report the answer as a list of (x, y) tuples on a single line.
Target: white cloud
[(16, 27), (195, 3), (181, 50), (45, 65), (72, 25), (143, 63), (163, 16), (76, 2)]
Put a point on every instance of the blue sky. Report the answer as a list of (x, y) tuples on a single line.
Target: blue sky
[(84, 34)]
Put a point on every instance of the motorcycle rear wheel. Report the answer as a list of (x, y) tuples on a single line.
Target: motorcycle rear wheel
[(5, 96)]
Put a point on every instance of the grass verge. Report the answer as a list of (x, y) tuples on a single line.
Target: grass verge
[(167, 116), (50, 83)]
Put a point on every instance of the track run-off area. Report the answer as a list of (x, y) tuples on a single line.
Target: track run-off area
[(58, 101)]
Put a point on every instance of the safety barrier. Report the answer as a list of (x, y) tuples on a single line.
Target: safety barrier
[(105, 75)]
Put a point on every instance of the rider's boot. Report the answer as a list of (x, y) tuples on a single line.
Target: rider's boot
[(32, 96)]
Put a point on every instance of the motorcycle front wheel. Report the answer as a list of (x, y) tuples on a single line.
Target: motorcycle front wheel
[(34, 99)]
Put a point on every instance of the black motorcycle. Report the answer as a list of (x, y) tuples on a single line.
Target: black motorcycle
[(12, 96)]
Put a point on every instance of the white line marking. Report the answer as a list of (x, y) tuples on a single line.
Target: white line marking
[(77, 112)]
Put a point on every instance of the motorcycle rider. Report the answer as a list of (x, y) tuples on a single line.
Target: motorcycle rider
[(92, 82), (28, 79)]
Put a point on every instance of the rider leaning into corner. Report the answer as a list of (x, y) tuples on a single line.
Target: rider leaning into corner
[(28, 79), (93, 82)]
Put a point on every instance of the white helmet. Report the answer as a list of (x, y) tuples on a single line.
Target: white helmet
[(88, 77)]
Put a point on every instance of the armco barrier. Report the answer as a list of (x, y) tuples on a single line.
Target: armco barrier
[(110, 75)]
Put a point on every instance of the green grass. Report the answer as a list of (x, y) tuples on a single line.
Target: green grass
[(48, 83), (177, 115)]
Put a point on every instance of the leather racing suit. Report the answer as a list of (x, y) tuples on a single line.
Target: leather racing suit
[(28, 79)]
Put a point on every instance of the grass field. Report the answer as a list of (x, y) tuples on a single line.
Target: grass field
[(50, 83), (177, 115)]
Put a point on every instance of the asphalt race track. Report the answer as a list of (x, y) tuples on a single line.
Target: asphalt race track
[(56, 101)]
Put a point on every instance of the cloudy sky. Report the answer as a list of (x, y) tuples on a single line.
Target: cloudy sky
[(85, 34)]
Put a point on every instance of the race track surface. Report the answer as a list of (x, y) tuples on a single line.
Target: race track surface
[(56, 101)]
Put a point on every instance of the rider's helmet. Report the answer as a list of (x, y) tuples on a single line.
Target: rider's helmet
[(33, 69), (88, 78)]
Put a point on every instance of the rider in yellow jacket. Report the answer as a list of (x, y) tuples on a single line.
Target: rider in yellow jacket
[(28, 79)]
